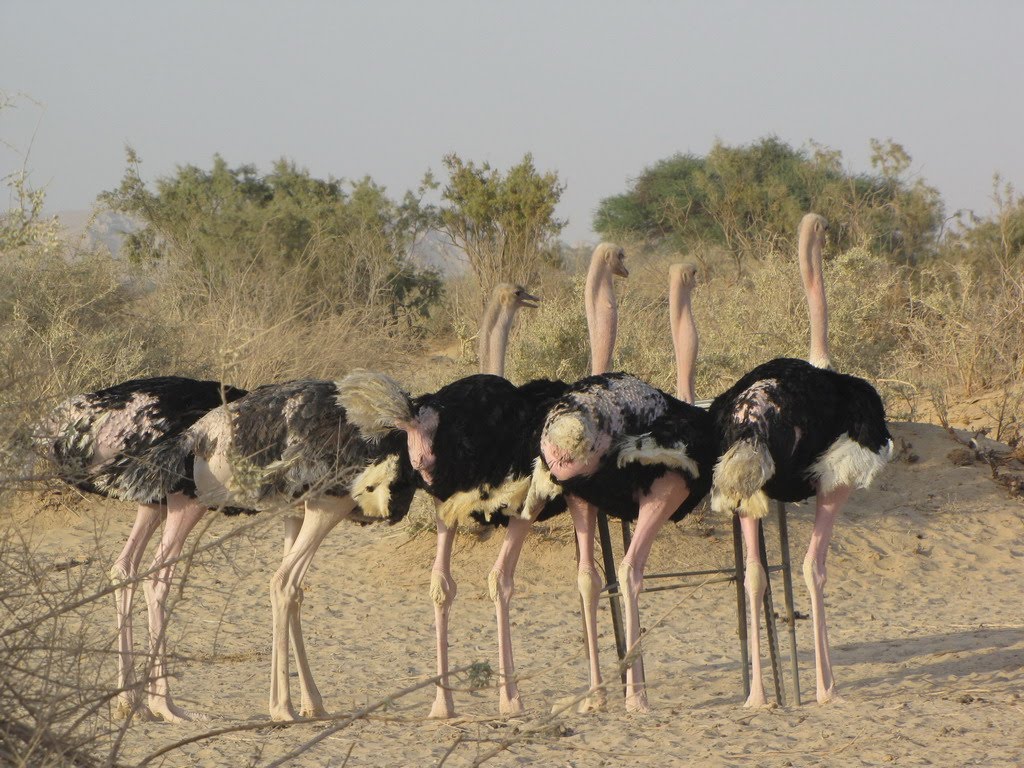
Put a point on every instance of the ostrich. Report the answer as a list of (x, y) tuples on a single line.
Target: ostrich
[(496, 324), (472, 443), (279, 446), (615, 441), (86, 433), (788, 430)]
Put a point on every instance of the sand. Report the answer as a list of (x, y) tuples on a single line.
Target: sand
[(925, 618)]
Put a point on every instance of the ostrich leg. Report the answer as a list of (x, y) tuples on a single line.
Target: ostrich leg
[(285, 600), (657, 506), (756, 581), (828, 506), (584, 520), (182, 515), (501, 585), (124, 572), (442, 592), (310, 703)]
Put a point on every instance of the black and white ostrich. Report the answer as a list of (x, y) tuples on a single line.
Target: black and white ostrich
[(615, 442), (84, 435), (288, 447), (276, 447), (788, 430), (473, 443)]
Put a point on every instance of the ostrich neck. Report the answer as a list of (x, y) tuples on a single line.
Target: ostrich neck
[(497, 341), (814, 287), (602, 316), (684, 341)]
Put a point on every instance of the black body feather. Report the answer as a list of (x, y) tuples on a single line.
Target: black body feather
[(488, 431), (658, 415), (800, 411), (283, 440)]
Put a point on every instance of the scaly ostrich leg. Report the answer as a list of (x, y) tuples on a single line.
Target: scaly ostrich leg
[(584, 520), (124, 572), (311, 704), (501, 586), (667, 493), (828, 507), (182, 515), (442, 592), (755, 582), (322, 515)]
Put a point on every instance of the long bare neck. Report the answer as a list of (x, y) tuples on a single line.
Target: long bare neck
[(812, 241), (493, 339), (684, 336), (602, 314)]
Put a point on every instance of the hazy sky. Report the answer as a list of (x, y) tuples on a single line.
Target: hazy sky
[(595, 90)]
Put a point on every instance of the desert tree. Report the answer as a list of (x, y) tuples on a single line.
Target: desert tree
[(351, 239), (748, 199), (504, 223)]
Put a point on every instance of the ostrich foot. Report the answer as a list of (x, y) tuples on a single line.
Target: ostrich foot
[(829, 695), (510, 705), (163, 707), (130, 704), (637, 702), (283, 713), (313, 710), (596, 701), (444, 706), (756, 699), (140, 712)]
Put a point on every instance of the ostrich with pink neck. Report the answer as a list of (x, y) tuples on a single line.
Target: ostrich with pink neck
[(789, 430), (616, 442), (472, 443)]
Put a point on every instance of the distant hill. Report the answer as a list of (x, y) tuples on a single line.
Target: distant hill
[(92, 229)]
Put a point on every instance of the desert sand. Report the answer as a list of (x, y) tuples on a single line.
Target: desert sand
[(925, 617)]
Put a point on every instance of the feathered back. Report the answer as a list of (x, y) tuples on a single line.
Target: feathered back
[(375, 403), (795, 412), (101, 441)]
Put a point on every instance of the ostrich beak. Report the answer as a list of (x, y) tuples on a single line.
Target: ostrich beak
[(528, 300)]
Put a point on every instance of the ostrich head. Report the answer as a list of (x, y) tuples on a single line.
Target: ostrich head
[(607, 261), (812, 241), (506, 300), (681, 280), (611, 258), (514, 297)]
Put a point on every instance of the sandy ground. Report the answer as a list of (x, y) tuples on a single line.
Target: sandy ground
[(926, 622)]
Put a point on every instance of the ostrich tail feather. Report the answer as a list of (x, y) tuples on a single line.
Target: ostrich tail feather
[(374, 403), (739, 477)]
